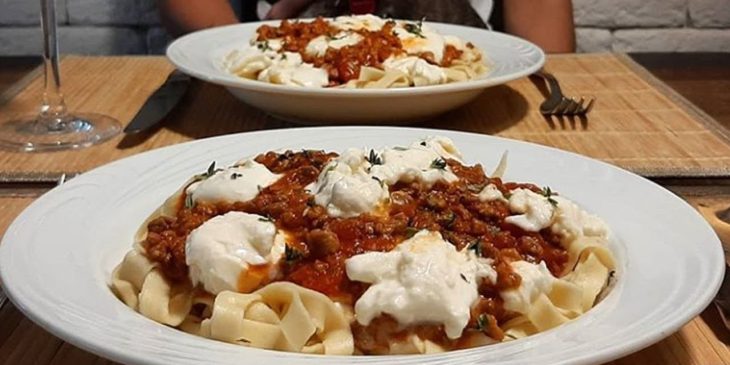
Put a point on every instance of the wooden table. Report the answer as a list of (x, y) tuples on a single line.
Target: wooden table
[(704, 79)]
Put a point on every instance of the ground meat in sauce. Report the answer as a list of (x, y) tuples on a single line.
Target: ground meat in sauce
[(343, 65), (319, 245)]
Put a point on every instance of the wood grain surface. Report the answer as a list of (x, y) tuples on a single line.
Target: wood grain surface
[(636, 123)]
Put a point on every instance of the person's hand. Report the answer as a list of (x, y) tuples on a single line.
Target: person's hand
[(284, 9)]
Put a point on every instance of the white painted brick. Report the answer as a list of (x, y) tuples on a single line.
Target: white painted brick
[(593, 40), (672, 40), (709, 13), (629, 13), (157, 40), (28, 12), (103, 12), (80, 40)]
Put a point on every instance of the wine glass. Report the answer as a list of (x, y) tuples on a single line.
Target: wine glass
[(55, 128)]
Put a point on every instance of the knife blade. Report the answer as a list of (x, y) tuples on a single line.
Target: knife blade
[(160, 103)]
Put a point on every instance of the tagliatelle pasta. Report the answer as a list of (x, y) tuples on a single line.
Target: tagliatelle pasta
[(355, 52), (402, 250)]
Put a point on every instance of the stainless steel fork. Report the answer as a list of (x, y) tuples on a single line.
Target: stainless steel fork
[(559, 104)]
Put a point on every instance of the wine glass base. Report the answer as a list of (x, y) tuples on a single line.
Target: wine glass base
[(77, 131)]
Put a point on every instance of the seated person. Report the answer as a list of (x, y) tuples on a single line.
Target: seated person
[(547, 23)]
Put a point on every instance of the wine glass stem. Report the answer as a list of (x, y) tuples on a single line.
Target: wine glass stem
[(53, 110)]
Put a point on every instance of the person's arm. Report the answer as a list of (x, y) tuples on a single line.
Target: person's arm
[(547, 23), (284, 9), (185, 16)]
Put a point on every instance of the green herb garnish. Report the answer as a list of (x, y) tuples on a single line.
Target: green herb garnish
[(263, 46), (235, 176), (374, 159), (210, 172), (415, 28), (266, 219), (463, 277), (439, 164), (381, 182), (411, 231), (546, 192), (399, 148), (482, 322), (476, 246), (291, 254), (449, 219)]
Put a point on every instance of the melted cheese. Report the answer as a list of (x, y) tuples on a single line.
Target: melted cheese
[(220, 251), (416, 163), (319, 45), (491, 193), (289, 69), (356, 22), (426, 41), (572, 222), (535, 211), (423, 280), (346, 189), (238, 183), (421, 72)]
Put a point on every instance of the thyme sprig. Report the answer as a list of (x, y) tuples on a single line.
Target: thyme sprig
[(482, 322), (374, 158), (415, 28), (263, 46), (476, 246), (547, 193), (439, 164), (291, 254)]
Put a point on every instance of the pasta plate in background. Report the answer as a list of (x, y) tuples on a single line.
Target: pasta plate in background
[(400, 250), (362, 51)]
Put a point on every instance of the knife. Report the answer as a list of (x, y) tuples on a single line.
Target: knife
[(160, 103)]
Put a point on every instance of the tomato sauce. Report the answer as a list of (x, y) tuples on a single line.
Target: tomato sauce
[(344, 64), (318, 245)]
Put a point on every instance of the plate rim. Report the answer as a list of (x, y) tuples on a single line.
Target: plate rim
[(176, 55), (603, 354)]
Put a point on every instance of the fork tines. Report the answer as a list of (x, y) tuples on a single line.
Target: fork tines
[(571, 106)]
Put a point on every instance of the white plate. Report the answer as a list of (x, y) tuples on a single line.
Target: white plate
[(56, 258), (199, 54)]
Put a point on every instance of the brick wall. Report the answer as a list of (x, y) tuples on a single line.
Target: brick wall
[(652, 25), (132, 26)]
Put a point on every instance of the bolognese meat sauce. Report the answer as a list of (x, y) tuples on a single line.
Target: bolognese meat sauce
[(344, 64), (318, 245)]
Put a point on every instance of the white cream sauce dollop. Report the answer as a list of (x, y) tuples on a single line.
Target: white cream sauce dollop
[(346, 188), (238, 183), (222, 249), (423, 161), (423, 280), (536, 212), (572, 222)]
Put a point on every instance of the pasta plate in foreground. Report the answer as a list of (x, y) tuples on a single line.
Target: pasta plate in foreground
[(390, 251), (362, 51)]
